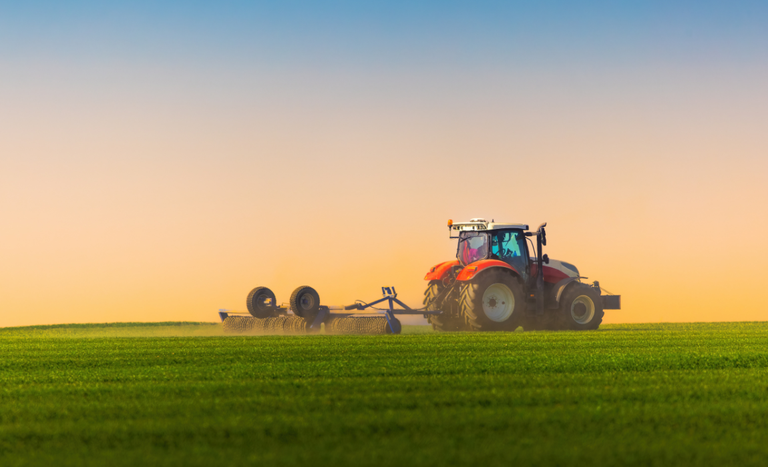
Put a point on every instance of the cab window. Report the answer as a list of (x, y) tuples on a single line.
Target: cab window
[(509, 246), (473, 246)]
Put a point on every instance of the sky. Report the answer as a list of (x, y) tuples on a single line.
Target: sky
[(160, 159)]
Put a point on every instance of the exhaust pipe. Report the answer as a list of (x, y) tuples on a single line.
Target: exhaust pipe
[(541, 240)]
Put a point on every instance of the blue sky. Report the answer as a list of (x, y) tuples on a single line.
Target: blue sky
[(388, 33)]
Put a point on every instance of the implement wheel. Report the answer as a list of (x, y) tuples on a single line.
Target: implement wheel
[(261, 303), (450, 320), (305, 302), (581, 308), (493, 301)]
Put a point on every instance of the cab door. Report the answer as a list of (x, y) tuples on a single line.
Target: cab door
[(509, 246)]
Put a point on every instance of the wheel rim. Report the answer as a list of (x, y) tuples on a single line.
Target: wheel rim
[(583, 309), (498, 302), (263, 302), (306, 301)]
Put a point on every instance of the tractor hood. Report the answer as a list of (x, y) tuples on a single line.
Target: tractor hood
[(566, 268)]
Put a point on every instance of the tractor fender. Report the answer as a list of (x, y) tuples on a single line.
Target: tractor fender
[(469, 272), (559, 288), (438, 272)]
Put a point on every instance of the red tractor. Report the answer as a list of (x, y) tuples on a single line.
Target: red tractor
[(495, 284)]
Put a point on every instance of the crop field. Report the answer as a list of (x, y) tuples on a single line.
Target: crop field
[(183, 394)]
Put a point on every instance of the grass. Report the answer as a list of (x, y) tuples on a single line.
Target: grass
[(651, 395)]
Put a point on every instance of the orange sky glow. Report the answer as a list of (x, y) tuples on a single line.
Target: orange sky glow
[(146, 190)]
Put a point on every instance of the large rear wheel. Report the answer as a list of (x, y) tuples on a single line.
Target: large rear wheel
[(493, 302), (450, 319), (581, 308)]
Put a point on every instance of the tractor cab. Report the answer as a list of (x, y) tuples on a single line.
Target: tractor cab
[(479, 240)]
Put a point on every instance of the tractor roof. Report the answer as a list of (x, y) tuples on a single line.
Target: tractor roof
[(482, 224)]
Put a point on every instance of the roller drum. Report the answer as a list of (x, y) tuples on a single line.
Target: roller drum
[(360, 325), (236, 324)]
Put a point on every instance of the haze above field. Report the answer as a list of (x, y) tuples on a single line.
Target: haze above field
[(159, 161)]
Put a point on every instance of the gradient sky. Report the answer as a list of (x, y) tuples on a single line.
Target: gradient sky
[(157, 161)]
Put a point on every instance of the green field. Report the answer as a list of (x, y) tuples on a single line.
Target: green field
[(171, 394)]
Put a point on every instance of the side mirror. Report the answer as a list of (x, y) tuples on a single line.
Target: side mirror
[(542, 233), (545, 259)]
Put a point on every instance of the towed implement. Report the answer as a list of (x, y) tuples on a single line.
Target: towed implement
[(304, 313)]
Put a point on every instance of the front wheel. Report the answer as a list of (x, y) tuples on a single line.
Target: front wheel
[(581, 308), (493, 302)]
